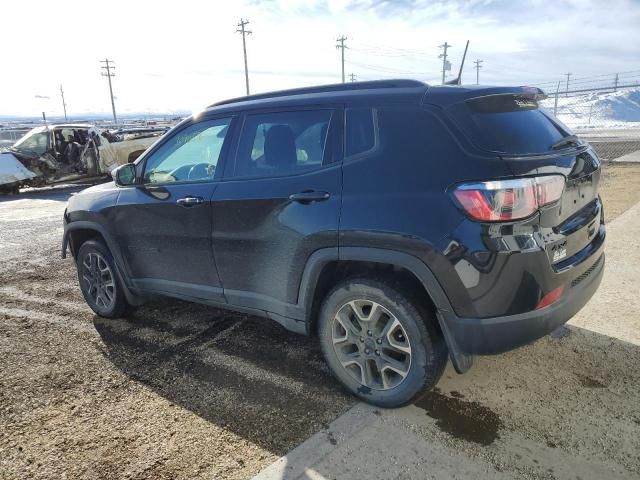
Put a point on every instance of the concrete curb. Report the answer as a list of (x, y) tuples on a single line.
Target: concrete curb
[(298, 462)]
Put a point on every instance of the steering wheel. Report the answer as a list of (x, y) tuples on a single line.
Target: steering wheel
[(201, 171)]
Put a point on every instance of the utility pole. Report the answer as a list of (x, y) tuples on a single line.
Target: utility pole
[(244, 33), (568, 77), (342, 46), (615, 85), (478, 67), (64, 105), (352, 76), (555, 105), (107, 67), (443, 56)]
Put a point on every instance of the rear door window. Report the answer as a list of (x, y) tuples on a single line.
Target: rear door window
[(282, 143), (509, 124), (361, 131)]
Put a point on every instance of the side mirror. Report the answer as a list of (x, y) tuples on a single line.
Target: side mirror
[(124, 175)]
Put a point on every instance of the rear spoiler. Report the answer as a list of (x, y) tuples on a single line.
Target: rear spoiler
[(534, 93), (445, 96)]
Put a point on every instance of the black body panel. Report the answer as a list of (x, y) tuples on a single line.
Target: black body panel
[(262, 239)]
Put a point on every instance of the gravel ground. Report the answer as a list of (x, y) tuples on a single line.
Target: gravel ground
[(177, 391), (187, 391)]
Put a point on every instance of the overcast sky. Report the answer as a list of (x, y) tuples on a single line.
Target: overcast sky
[(182, 56)]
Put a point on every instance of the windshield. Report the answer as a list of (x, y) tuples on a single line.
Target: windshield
[(34, 142)]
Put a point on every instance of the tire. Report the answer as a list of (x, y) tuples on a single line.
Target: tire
[(102, 292), (399, 347)]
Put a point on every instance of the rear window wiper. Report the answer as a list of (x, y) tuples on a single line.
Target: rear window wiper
[(566, 142)]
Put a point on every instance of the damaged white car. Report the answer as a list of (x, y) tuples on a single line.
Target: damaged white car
[(66, 152)]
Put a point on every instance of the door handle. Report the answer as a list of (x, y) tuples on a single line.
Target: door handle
[(190, 201), (309, 196)]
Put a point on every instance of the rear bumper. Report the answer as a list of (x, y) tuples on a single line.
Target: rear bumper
[(486, 336)]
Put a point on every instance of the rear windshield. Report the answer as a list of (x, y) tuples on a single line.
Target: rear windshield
[(511, 124)]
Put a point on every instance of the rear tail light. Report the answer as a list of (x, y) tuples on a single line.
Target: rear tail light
[(505, 200)]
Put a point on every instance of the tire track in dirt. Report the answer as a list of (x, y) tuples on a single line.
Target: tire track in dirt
[(51, 318), (14, 293)]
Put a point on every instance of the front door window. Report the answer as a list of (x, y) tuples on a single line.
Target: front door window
[(190, 155)]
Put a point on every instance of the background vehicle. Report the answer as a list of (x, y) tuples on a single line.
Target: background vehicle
[(400, 223), (68, 151)]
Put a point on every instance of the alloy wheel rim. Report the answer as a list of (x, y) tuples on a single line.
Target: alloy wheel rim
[(371, 344), (98, 280)]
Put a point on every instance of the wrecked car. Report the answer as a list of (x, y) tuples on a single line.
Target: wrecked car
[(66, 152)]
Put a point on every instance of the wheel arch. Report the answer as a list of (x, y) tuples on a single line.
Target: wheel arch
[(327, 266), (76, 233)]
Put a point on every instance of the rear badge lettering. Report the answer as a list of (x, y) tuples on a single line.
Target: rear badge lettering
[(559, 253)]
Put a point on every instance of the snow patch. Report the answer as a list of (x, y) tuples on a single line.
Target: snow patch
[(619, 109)]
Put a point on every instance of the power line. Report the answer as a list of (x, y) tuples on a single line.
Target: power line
[(478, 67), (391, 50), (443, 56), (64, 105), (108, 66), (244, 33), (590, 79), (604, 75), (342, 47), (380, 68), (382, 53)]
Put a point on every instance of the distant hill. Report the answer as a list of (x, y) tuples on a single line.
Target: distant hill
[(619, 109)]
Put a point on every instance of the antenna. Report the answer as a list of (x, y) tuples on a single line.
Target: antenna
[(464, 56)]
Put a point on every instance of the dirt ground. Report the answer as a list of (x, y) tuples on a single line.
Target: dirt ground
[(177, 391), (619, 187), (187, 391)]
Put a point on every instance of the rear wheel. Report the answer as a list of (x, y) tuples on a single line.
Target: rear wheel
[(98, 280), (381, 344)]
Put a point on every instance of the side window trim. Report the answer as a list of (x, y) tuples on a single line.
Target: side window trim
[(229, 137), (335, 116), (376, 134), (333, 148)]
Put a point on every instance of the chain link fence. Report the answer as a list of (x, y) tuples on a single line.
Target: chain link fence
[(607, 117)]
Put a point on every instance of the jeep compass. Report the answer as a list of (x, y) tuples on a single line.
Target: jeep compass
[(400, 223)]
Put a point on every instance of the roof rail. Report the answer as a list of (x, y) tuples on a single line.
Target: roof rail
[(336, 87)]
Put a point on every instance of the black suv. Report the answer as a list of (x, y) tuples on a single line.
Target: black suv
[(401, 223)]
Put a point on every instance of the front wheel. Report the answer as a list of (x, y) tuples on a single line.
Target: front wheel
[(382, 345), (98, 280)]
